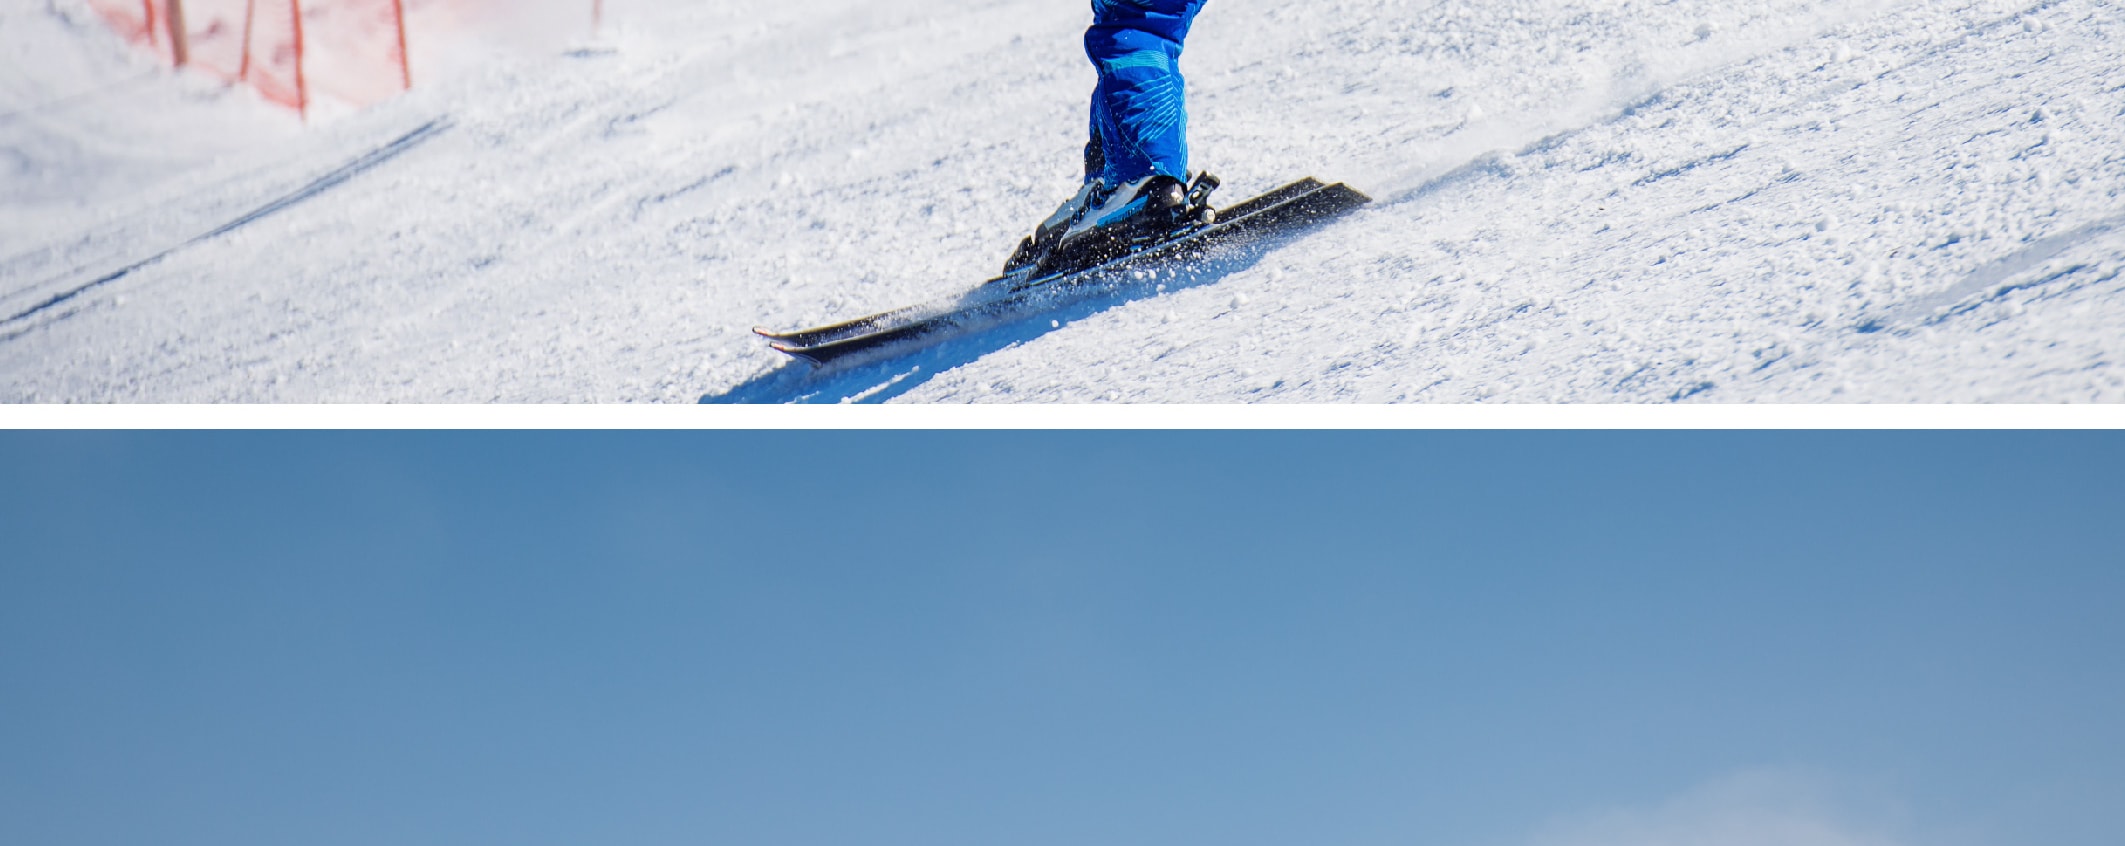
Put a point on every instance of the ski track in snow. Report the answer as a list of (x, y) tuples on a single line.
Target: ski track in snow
[(1801, 200)]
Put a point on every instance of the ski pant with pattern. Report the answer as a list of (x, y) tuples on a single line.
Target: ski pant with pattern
[(1139, 110)]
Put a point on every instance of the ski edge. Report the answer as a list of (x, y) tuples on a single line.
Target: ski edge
[(1305, 198), (829, 333)]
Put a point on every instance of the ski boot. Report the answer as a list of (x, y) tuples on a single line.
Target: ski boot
[(1033, 248), (1099, 224)]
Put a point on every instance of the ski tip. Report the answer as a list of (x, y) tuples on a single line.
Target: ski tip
[(765, 332), (794, 352)]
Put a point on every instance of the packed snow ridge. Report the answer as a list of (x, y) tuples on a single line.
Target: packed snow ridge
[(1577, 200)]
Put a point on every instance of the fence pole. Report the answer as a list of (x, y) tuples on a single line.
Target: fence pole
[(147, 10), (180, 42), (405, 60), (250, 10), (302, 86)]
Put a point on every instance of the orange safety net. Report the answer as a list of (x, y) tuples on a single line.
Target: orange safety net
[(295, 52)]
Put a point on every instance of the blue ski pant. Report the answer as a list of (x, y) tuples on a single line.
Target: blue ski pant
[(1139, 109)]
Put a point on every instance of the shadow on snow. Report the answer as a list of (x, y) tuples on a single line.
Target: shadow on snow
[(796, 381)]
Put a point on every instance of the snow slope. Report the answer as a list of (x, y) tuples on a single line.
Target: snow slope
[(1886, 200)]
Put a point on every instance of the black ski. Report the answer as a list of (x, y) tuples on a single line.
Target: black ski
[(1302, 203)]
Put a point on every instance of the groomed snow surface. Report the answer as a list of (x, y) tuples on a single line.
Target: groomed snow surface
[(1577, 201)]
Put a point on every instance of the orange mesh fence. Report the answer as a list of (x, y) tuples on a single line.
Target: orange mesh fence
[(134, 20), (353, 50), (273, 61), (295, 52)]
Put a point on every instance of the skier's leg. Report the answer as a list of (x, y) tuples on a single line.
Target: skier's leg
[(1046, 233), (1139, 109), (1137, 126), (1095, 149)]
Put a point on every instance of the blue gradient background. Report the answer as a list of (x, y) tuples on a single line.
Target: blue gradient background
[(1053, 638)]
